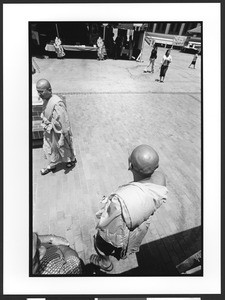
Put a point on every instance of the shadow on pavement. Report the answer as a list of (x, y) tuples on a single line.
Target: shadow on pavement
[(161, 257), (63, 166), (37, 143)]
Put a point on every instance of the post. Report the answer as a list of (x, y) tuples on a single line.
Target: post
[(57, 31), (104, 26), (167, 28), (181, 29)]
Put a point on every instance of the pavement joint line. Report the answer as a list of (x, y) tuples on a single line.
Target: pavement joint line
[(194, 98)]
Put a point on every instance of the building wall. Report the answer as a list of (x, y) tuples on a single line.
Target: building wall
[(175, 28)]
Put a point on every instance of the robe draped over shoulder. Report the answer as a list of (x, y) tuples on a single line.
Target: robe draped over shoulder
[(125, 218), (57, 141)]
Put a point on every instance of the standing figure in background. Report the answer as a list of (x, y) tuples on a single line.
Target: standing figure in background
[(101, 47), (118, 45), (152, 59), (57, 137), (125, 218), (109, 43), (131, 46), (104, 51), (52, 255), (166, 60), (138, 59), (194, 60), (122, 45), (59, 48)]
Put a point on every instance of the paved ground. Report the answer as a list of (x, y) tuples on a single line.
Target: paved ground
[(113, 106)]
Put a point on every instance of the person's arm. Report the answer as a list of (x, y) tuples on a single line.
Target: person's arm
[(46, 124), (53, 239)]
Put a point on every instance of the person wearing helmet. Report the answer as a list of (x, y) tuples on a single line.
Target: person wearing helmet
[(51, 254), (57, 137), (125, 218)]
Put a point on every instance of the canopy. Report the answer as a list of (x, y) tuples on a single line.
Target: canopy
[(125, 26), (197, 29), (131, 26)]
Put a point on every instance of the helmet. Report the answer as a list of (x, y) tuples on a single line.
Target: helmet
[(144, 160)]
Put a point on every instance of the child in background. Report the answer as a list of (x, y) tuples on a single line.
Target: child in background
[(194, 60)]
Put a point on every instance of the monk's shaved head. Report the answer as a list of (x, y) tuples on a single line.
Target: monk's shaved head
[(44, 89), (144, 160), (43, 84)]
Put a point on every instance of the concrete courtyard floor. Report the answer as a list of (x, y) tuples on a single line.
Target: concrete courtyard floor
[(113, 107)]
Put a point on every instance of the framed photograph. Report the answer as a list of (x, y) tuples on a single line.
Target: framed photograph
[(108, 181)]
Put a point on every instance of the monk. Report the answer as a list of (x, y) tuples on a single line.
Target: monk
[(125, 218), (57, 138)]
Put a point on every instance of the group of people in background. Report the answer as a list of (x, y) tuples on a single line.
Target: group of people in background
[(165, 62), (118, 47), (115, 50), (111, 48)]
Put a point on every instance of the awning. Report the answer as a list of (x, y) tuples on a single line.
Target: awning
[(131, 26), (197, 29), (125, 26)]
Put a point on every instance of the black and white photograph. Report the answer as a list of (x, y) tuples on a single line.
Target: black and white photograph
[(116, 119), (116, 158)]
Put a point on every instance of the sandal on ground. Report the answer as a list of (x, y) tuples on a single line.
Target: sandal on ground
[(71, 163), (46, 170), (97, 261)]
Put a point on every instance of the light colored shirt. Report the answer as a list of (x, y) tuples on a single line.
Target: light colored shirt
[(166, 60)]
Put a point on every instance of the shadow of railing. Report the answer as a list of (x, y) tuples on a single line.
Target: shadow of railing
[(161, 257)]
